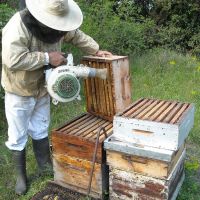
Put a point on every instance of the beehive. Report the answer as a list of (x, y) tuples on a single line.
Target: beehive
[(143, 164), (156, 123), (125, 185), (105, 98), (73, 148), (74, 173), (77, 137)]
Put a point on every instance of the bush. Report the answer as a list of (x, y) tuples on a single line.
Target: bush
[(11, 3), (6, 13), (134, 25), (113, 33), (177, 24)]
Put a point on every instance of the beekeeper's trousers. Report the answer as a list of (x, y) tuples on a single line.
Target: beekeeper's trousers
[(26, 116)]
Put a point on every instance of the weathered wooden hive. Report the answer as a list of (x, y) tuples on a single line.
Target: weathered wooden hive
[(77, 137), (105, 98), (143, 172), (73, 148), (74, 143), (146, 151), (129, 185), (148, 161)]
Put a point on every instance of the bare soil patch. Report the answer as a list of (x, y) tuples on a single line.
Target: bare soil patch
[(56, 192)]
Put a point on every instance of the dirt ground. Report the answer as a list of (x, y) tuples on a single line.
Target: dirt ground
[(55, 192)]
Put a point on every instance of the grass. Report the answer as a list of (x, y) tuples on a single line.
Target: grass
[(158, 74)]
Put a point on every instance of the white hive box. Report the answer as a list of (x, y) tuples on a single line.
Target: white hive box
[(155, 123), (126, 185)]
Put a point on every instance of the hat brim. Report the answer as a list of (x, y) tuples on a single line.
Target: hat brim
[(68, 22)]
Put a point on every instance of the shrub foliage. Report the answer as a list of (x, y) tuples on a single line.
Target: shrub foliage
[(132, 26)]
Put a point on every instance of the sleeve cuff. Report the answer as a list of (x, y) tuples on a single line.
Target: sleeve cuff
[(46, 58)]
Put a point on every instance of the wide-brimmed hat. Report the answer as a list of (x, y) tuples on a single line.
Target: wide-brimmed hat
[(63, 15)]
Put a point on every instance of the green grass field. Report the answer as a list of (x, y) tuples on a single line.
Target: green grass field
[(157, 74)]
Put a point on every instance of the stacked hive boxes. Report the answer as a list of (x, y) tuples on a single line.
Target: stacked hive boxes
[(74, 143), (146, 150)]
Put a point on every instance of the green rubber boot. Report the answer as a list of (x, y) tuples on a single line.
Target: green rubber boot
[(19, 159), (42, 154)]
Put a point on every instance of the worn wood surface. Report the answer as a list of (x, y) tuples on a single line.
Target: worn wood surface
[(157, 110), (105, 98), (120, 192), (77, 137), (114, 144), (73, 173), (143, 165), (104, 59), (126, 185), (156, 123)]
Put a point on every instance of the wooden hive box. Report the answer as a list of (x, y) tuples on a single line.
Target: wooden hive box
[(73, 147), (107, 97), (77, 137), (74, 173), (156, 123), (147, 161), (126, 185)]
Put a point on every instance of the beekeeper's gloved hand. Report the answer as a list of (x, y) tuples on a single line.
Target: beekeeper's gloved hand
[(57, 58), (101, 53)]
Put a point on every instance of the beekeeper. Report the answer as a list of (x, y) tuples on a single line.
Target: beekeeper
[(30, 40)]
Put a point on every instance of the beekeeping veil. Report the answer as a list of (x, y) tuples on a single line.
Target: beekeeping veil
[(49, 20)]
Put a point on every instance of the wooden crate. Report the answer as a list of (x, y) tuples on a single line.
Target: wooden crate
[(156, 123), (73, 173), (107, 97), (126, 185), (143, 165), (77, 137)]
